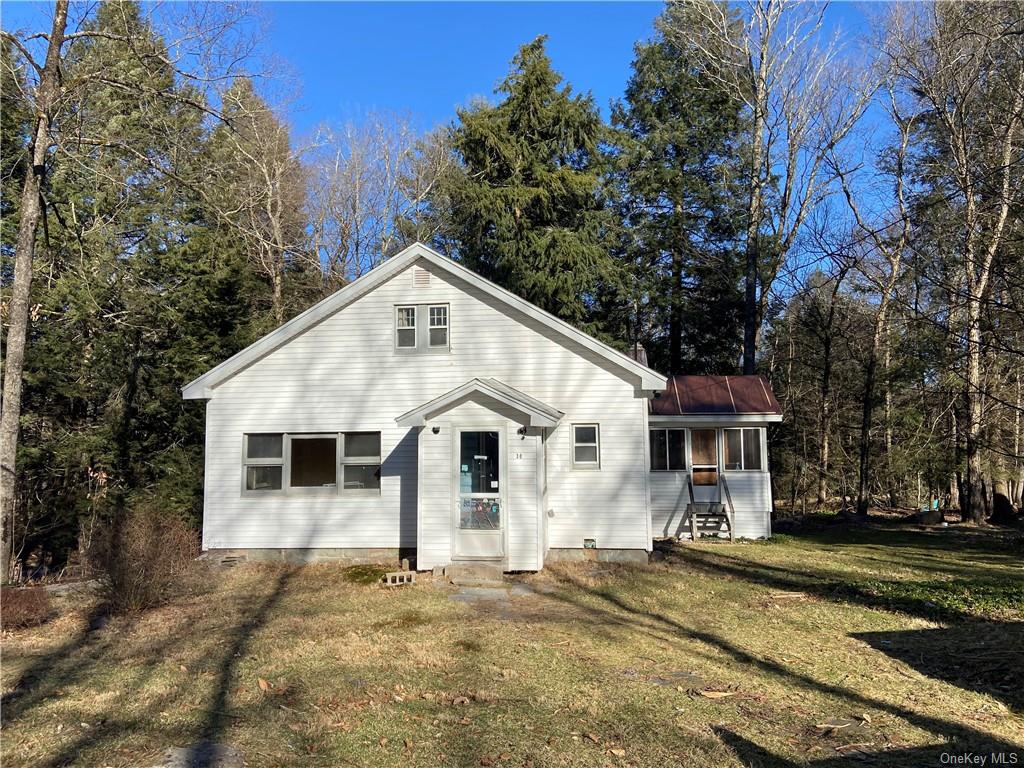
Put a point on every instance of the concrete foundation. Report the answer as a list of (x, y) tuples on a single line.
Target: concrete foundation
[(342, 556), (627, 556)]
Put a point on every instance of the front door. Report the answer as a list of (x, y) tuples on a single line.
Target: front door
[(478, 509)]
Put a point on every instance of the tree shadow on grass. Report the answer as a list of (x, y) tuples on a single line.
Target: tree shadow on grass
[(933, 599), (623, 613), (86, 656), (754, 755), (987, 657)]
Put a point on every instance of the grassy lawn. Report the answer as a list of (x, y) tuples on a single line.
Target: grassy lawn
[(879, 645)]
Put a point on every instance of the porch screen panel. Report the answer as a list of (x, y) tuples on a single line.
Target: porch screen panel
[(704, 453)]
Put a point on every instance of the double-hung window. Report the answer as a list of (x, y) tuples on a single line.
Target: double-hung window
[(405, 327), (742, 448), (438, 328), (360, 462), (297, 463), (668, 450), (422, 327), (586, 446), (264, 462)]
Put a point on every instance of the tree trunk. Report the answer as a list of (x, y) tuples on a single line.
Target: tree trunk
[(277, 285), (751, 319), (675, 316), (890, 479), (47, 94), (975, 508), (823, 420)]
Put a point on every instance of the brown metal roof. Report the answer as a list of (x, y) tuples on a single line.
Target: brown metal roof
[(726, 395)]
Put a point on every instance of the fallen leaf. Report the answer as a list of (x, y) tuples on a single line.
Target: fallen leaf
[(183, 668), (264, 685), (865, 717), (594, 738), (459, 700), (408, 744), (716, 694), (465, 721), (617, 751), (485, 760), (295, 727), (383, 741), (504, 755)]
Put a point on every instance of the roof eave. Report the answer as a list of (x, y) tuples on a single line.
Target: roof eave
[(715, 418)]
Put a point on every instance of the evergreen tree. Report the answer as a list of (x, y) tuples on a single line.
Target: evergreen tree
[(138, 291), (15, 124), (676, 175), (526, 209)]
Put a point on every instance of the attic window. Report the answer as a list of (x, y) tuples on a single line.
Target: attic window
[(420, 278), (422, 328)]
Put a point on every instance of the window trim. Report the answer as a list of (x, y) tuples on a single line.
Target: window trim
[(431, 326), (358, 460), (415, 327), (596, 464), (285, 462), (743, 441), (686, 448), (422, 327)]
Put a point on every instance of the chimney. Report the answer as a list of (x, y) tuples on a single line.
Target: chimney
[(638, 353)]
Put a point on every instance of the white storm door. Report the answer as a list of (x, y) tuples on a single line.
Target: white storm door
[(479, 517)]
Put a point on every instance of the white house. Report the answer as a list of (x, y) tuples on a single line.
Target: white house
[(423, 408)]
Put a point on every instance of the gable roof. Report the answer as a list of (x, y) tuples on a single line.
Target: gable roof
[(537, 414), (716, 395), (202, 387)]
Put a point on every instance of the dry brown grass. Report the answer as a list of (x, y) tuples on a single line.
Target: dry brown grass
[(698, 660)]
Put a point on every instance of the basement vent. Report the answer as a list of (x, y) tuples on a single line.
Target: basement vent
[(420, 278)]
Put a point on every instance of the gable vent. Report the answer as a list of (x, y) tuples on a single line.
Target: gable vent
[(420, 278)]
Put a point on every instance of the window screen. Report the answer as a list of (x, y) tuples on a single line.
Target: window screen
[(742, 448), (752, 449), (704, 448), (733, 449), (668, 449)]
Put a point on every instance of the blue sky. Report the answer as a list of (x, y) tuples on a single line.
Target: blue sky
[(425, 59)]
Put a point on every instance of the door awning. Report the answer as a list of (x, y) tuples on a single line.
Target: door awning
[(534, 412)]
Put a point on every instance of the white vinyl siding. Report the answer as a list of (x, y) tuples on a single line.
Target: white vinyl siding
[(750, 492), (343, 374)]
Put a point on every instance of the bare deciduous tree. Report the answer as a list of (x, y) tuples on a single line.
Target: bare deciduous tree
[(802, 98), (371, 184), (965, 65)]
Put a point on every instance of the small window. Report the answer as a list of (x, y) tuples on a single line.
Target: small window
[(264, 462), (360, 462), (585, 445), (742, 449), (405, 327), (314, 461), (668, 450), (438, 326)]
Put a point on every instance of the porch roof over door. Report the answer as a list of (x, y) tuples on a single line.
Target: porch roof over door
[(535, 413)]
